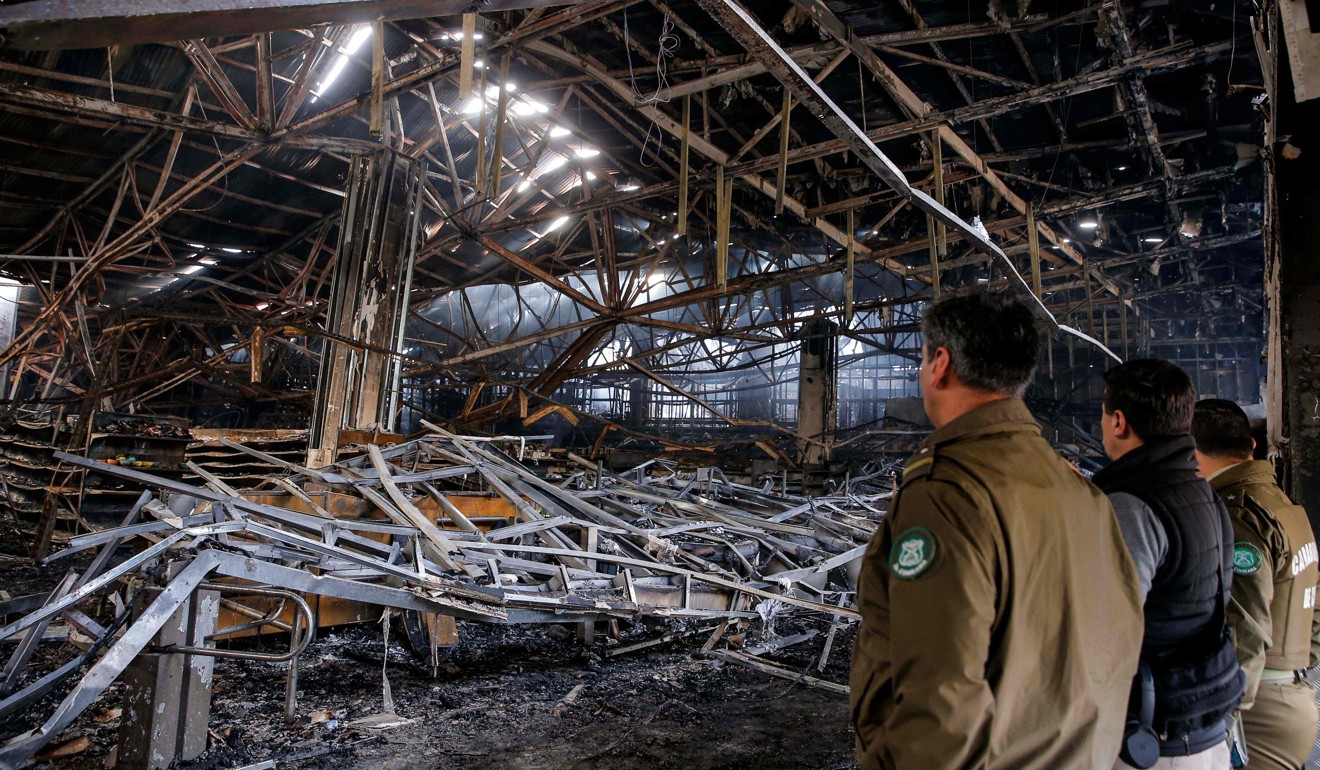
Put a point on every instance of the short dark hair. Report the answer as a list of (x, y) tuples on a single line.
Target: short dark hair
[(1222, 430), (991, 338), (1156, 397)]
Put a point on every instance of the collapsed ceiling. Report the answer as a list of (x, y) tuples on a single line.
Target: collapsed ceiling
[(165, 200)]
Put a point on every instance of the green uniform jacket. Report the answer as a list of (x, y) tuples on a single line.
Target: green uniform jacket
[(1001, 622), (1274, 573)]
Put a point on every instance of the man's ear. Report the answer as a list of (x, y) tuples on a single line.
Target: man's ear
[(941, 368), (1122, 428)]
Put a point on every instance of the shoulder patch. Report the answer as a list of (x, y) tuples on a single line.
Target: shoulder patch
[(912, 554), (1246, 558), (918, 465)]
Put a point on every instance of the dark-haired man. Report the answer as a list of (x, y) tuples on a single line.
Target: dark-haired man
[(1000, 617), (1274, 588), (1181, 540)]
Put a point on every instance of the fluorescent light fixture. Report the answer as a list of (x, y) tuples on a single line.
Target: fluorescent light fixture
[(510, 87), (355, 42), (196, 246), (1153, 240), (359, 37), (1120, 168), (523, 109), (473, 106), (1088, 225), (190, 269), (591, 175), (555, 225), (479, 64), (262, 305), (231, 251), (629, 187), (559, 131), (525, 186), (1067, 240), (209, 261), (586, 152)]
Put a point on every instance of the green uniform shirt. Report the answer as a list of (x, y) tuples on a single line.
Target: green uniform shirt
[(1274, 573), (1000, 617)]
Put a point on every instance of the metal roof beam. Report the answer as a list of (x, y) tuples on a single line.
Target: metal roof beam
[(59, 24)]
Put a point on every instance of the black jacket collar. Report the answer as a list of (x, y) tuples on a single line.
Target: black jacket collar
[(1175, 453)]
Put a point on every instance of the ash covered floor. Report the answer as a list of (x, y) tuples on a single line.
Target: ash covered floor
[(497, 701)]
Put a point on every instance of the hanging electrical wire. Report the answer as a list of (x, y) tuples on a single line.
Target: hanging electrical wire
[(666, 45)]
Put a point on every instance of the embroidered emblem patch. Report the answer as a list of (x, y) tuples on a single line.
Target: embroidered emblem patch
[(1246, 559), (912, 554)]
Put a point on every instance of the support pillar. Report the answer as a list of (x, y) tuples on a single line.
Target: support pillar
[(1293, 291), (8, 326), (639, 402), (817, 392), (167, 699), (359, 384)]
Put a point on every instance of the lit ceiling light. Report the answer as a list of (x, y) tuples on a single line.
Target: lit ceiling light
[(263, 305), (1120, 168), (231, 251), (1153, 240), (355, 42), (555, 163), (559, 131), (1088, 225), (209, 261), (629, 187), (479, 64), (1067, 240), (525, 186), (591, 175), (510, 87), (473, 106), (587, 152), (555, 225), (528, 106), (196, 246)]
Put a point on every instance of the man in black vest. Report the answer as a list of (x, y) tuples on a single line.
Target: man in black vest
[(1181, 540)]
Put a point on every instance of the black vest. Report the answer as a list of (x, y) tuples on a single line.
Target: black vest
[(1187, 643)]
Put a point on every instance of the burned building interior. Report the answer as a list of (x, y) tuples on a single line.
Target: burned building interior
[(517, 383)]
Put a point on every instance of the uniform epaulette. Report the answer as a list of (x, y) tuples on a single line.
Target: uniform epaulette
[(919, 465), (1257, 515)]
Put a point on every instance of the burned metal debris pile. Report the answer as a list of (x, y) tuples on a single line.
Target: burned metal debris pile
[(384, 529)]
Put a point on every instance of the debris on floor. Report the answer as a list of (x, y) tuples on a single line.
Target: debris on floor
[(700, 557)]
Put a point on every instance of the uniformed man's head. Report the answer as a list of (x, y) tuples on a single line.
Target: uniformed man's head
[(978, 346), (1223, 435), (1145, 400)]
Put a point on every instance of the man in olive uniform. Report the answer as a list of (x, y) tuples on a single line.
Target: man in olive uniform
[(1274, 589), (1000, 617)]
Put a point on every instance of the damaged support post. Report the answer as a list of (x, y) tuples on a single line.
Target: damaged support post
[(359, 381), (167, 700), (816, 399)]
